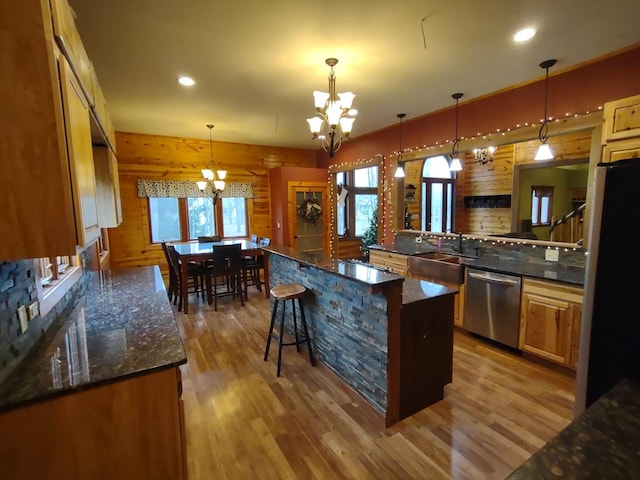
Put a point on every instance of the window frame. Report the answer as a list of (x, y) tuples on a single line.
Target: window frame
[(545, 192), (183, 219), (350, 204)]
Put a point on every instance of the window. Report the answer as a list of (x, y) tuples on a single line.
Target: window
[(437, 195), (541, 203), (182, 219), (165, 219), (357, 200)]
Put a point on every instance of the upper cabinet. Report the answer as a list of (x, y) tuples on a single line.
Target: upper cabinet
[(47, 175), (621, 130)]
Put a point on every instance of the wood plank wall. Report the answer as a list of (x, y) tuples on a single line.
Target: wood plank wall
[(494, 178), (154, 157)]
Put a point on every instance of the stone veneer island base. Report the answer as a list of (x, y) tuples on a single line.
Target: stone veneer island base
[(388, 337)]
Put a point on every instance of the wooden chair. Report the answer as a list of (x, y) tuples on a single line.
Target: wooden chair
[(172, 289), (226, 271), (196, 276), (252, 267)]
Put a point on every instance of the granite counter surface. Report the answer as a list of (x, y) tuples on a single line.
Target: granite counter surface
[(603, 443), (544, 271), (375, 277), (123, 326), (419, 290)]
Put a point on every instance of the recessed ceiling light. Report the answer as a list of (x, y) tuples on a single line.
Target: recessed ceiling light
[(524, 35), (186, 81)]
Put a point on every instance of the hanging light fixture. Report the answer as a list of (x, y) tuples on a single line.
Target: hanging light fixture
[(334, 115), (400, 170), (484, 155), (544, 151), (456, 164), (217, 185)]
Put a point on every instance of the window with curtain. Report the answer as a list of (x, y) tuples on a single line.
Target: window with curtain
[(541, 205), (179, 211)]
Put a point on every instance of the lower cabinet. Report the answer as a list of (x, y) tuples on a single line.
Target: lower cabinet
[(550, 321), (395, 262), (129, 429)]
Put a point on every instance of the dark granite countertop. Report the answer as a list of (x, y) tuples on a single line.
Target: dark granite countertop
[(123, 326), (418, 290), (603, 443), (545, 271), (352, 269)]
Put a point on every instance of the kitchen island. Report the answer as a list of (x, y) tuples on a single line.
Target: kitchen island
[(387, 337), (102, 391)]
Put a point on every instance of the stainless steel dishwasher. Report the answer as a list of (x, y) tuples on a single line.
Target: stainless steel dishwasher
[(492, 306)]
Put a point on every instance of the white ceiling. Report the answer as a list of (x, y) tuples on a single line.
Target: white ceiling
[(256, 62)]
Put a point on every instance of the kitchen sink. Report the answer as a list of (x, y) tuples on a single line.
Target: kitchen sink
[(437, 267)]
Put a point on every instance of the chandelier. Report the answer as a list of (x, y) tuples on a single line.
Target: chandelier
[(217, 185), (484, 155), (334, 115)]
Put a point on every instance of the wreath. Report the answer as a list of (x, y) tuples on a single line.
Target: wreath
[(310, 210)]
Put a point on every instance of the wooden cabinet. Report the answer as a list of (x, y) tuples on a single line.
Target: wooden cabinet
[(46, 165), (395, 262), (550, 321), (108, 187), (621, 130), (132, 428), (621, 119)]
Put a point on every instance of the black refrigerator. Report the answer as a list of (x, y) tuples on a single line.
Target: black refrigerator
[(610, 332)]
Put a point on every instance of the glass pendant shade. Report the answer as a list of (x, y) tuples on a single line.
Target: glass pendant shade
[(456, 165), (320, 99), (399, 172), (315, 124), (346, 99), (544, 152), (346, 124), (202, 185), (219, 184), (207, 173)]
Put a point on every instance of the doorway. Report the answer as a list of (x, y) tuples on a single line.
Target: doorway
[(308, 222)]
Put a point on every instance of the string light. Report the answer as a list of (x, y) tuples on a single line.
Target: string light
[(443, 146)]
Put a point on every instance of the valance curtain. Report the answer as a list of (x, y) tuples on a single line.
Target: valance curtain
[(184, 189)]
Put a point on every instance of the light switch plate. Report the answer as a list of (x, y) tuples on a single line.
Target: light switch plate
[(33, 310), (22, 316), (551, 255)]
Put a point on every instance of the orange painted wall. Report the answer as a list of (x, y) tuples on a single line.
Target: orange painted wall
[(278, 186)]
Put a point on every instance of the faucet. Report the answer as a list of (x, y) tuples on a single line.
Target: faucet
[(458, 247)]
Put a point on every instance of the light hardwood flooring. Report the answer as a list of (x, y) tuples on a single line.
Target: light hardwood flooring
[(242, 422)]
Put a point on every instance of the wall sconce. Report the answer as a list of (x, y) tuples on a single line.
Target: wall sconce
[(484, 155)]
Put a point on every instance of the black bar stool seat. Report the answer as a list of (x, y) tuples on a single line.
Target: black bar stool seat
[(284, 292)]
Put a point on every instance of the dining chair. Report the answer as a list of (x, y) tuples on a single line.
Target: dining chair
[(172, 289), (226, 271), (209, 238), (196, 275)]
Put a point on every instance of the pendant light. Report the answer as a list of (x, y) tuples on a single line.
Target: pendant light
[(456, 164), (544, 151), (217, 184), (400, 170)]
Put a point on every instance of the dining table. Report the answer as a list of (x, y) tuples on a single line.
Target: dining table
[(199, 252)]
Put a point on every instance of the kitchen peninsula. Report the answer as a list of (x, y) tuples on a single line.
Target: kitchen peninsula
[(389, 338), (102, 393)]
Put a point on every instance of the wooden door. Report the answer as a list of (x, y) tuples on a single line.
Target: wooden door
[(310, 233)]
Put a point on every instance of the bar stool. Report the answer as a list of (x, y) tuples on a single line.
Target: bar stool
[(284, 292)]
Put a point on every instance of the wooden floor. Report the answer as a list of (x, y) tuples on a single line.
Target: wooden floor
[(242, 422)]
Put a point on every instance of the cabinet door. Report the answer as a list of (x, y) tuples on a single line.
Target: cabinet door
[(79, 149), (546, 327), (575, 336), (108, 187), (621, 119), (621, 150)]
